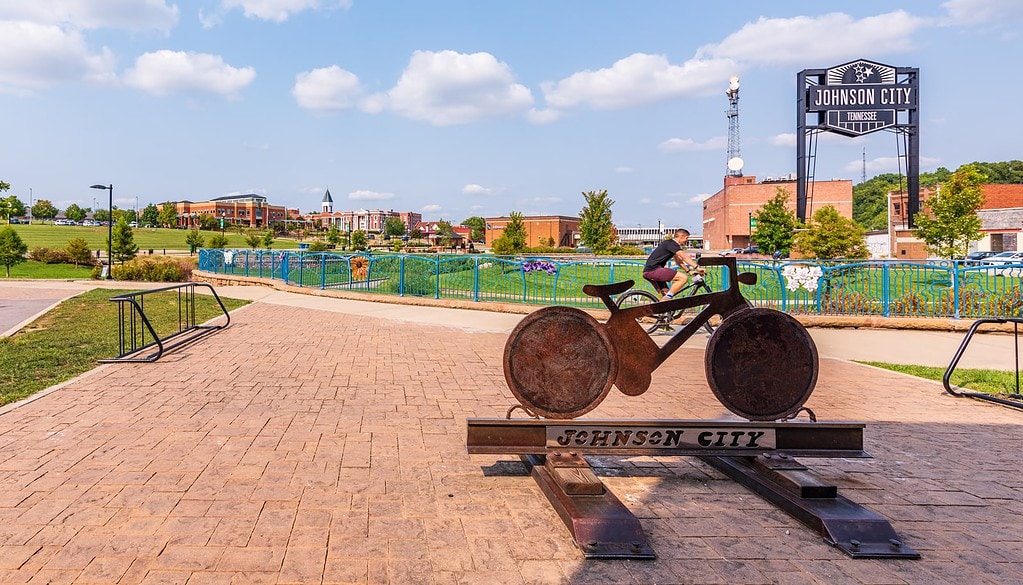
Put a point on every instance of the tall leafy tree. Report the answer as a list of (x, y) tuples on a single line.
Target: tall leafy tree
[(445, 234), (359, 240), (123, 246), (596, 229), (829, 235), (43, 209), (776, 224), (253, 239), (218, 241), (168, 216), (11, 206), (334, 235), (75, 212), (952, 222), (478, 225), (393, 226), (268, 239), (12, 248), (513, 239), (150, 215)]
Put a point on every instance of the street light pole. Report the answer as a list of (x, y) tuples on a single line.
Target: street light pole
[(110, 226)]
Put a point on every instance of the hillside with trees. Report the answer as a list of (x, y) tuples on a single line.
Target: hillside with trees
[(870, 198)]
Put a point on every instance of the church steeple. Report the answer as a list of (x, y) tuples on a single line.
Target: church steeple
[(327, 205)]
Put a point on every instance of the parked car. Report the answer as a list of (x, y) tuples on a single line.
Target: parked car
[(16, 220), (975, 257), (732, 252), (1010, 257), (64, 222), (750, 250)]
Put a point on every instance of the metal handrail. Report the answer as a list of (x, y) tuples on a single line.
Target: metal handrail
[(946, 380), (134, 342)]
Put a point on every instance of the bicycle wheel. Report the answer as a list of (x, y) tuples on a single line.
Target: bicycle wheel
[(636, 298), (687, 315)]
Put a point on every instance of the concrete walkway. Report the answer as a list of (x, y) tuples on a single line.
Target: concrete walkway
[(323, 441)]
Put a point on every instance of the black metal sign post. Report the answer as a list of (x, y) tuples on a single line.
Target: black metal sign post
[(853, 99), (758, 455)]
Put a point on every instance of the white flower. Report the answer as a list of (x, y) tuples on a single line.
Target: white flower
[(800, 276)]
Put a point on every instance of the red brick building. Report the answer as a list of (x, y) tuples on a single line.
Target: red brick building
[(727, 213), (562, 229), (250, 210), (371, 220)]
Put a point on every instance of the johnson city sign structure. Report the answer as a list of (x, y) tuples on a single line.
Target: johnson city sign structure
[(854, 99)]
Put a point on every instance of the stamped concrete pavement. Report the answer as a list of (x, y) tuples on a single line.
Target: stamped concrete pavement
[(316, 445)]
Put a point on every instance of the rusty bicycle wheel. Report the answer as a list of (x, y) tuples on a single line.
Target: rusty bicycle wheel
[(559, 362), (761, 364)]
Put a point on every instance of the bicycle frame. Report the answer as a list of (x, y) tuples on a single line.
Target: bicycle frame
[(638, 354)]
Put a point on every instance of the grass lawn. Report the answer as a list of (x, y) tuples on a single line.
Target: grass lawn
[(30, 269), (995, 382), (68, 340), (46, 235)]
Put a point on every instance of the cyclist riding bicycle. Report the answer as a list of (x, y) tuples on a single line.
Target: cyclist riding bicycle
[(658, 274)]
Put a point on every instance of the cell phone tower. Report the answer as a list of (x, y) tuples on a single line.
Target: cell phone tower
[(734, 146)]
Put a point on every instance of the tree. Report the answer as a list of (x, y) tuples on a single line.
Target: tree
[(168, 216), (334, 235), (78, 250), (194, 240), (829, 235), (123, 246), (74, 212), (478, 225), (253, 239), (218, 241), (150, 215), (43, 209), (776, 225), (268, 239), (445, 236), (207, 221), (595, 227), (101, 215), (513, 239), (953, 222), (11, 206), (393, 226), (359, 240), (12, 248)]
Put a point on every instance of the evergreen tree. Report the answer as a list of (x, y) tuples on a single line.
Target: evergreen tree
[(595, 227), (253, 239), (194, 240), (952, 222), (829, 236), (268, 239), (12, 248), (776, 225), (123, 246), (78, 250), (150, 215)]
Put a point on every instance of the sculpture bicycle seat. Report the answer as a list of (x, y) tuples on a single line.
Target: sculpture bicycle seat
[(761, 364)]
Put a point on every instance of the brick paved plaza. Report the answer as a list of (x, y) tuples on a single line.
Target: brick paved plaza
[(311, 446)]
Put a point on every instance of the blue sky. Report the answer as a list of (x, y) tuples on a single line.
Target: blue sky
[(461, 108)]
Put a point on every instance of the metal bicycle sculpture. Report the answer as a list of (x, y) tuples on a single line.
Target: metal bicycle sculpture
[(761, 364)]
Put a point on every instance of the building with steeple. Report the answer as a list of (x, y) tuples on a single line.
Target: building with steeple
[(327, 205)]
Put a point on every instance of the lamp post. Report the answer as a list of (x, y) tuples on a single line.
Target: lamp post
[(110, 226)]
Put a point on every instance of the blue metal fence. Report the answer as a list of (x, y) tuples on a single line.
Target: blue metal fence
[(883, 288)]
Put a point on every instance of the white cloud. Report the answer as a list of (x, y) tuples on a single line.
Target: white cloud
[(474, 189), (637, 80), (786, 140), (699, 198), (672, 204), (540, 200), (834, 37), (34, 55), (365, 195), (446, 88), (274, 10), (644, 200), (690, 145), (970, 12), (542, 116), (86, 14), (165, 72), (431, 208), (330, 88), (623, 169)]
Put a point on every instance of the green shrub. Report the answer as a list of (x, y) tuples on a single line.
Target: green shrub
[(153, 270), (50, 256), (319, 246)]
